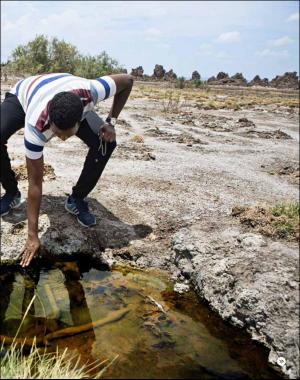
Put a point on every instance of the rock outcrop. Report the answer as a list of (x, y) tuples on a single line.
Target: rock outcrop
[(257, 81), (211, 79), (170, 75), (244, 288), (138, 72), (224, 79), (287, 80), (159, 72), (221, 76), (238, 80), (195, 75)]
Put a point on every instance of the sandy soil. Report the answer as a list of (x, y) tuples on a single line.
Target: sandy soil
[(180, 169)]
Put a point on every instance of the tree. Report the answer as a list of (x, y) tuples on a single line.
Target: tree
[(41, 55), (92, 67), (62, 56), (33, 57)]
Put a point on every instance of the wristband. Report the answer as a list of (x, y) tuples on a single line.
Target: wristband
[(111, 120)]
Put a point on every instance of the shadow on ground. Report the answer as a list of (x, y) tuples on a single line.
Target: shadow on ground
[(60, 233)]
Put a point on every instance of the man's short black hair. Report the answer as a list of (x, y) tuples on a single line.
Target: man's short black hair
[(65, 110)]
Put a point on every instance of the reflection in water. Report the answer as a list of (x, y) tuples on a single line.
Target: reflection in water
[(44, 315), (164, 335)]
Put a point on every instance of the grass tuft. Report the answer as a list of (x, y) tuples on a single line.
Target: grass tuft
[(15, 364), (280, 221)]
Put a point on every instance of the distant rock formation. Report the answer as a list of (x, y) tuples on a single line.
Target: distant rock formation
[(158, 72), (195, 75), (170, 75), (222, 76), (211, 79), (224, 79), (287, 80), (138, 72), (257, 81), (238, 80)]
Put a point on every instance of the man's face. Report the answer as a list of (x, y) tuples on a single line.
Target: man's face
[(64, 134)]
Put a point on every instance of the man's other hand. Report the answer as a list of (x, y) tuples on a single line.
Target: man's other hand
[(31, 248), (108, 133)]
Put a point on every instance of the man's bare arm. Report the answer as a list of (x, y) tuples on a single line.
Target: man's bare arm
[(35, 169), (124, 83)]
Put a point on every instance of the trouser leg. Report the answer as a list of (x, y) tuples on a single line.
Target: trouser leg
[(95, 161), (12, 119)]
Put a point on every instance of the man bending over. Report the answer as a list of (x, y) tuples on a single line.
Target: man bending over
[(62, 105)]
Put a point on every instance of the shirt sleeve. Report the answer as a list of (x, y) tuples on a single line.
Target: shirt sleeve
[(102, 88), (34, 142)]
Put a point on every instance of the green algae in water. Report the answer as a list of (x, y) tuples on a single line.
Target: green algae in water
[(165, 335)]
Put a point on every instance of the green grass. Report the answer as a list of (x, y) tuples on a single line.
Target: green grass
[(291, 210), (277, 221), (287, 220)]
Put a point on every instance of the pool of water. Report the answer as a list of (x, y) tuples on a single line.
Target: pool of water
[(155, 332)]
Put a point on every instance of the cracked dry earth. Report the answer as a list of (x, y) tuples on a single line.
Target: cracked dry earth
[(165, 201)]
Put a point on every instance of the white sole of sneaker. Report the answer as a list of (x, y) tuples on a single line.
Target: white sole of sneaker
[(84, 225), (73, 213)]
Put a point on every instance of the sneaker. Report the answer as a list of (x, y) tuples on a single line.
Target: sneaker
[(9, 201), (80, 208)]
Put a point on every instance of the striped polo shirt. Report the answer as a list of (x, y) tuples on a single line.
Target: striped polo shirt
[(35, 94)]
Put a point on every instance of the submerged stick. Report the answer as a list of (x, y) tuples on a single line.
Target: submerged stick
[(114, 316), (160, 307)]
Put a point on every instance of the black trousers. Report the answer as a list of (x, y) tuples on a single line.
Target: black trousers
[(13, 118)]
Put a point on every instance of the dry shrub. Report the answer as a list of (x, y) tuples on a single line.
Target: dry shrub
[(171, 102), (137, 139), (21, 172), (280, 221)]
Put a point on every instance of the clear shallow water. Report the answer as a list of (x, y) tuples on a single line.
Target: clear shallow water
[(160, 334)]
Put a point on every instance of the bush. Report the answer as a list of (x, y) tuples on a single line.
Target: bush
[(42, 55), (198, 83), (171, 102), (180, 83)]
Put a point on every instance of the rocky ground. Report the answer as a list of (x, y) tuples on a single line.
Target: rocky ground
[(166, 197)]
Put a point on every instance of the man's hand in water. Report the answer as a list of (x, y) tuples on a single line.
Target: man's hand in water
[(31, 248)]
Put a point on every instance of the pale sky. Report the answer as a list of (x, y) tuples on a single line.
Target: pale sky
[(252, 37)]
